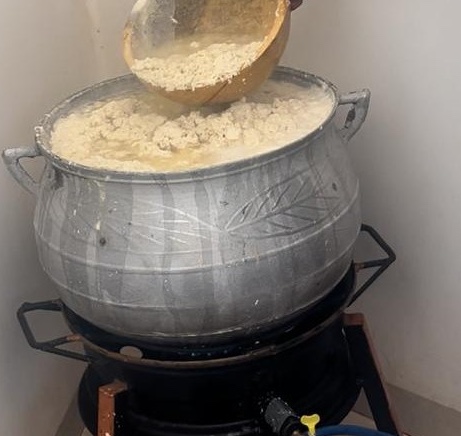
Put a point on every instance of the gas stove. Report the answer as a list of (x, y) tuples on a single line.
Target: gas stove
[(317, 362)]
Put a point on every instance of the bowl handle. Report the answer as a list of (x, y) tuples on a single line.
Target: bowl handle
[(360, 101), (12, 157)]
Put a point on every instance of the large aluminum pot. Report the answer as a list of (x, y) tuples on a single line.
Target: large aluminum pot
[(201, 255)]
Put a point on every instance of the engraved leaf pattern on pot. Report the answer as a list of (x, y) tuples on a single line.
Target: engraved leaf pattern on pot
[(291, 206), (168, 229)]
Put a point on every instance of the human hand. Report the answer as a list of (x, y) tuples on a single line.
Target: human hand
[(295, 4)]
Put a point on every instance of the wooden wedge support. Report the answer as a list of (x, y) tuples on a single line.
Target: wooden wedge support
[(111, 399)]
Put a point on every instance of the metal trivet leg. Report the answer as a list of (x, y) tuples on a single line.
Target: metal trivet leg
[(111, 399), (369, 373)]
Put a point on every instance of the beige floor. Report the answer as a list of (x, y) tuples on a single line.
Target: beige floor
[(353, 418)]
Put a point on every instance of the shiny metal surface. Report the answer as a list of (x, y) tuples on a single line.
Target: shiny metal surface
[(204, 255)]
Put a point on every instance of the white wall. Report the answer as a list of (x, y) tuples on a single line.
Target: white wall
[(49, 49), (107, 20), (47, 52), (408, 157)]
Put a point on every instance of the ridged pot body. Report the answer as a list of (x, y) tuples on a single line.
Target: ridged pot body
[(202, 255)]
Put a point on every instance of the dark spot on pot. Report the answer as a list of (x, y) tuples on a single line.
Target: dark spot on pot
[(102, 242), (334, 186), (58, 180)]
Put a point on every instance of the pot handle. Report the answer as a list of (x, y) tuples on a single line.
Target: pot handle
[(360, 101), (382, 264), (12, 157), (51, 346)]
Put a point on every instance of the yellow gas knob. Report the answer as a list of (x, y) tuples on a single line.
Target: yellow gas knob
[(310, 422)]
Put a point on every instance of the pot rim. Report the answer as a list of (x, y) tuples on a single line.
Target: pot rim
[(213, 171)]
